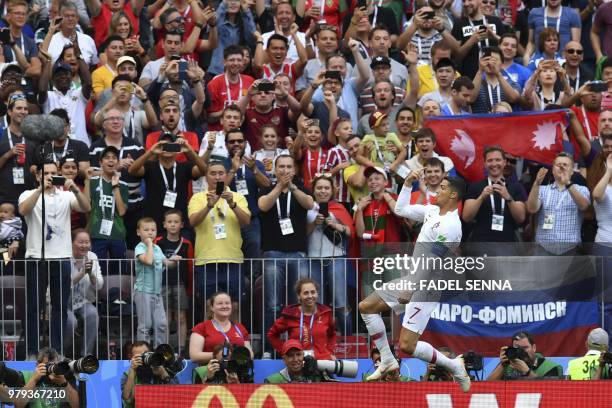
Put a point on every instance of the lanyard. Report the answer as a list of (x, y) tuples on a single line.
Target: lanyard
[(220, 330), (375, 14), (558, 18), (418, 38), (577, 84), (375, 213), (129, 132), (484, 23), (163, 172), (378, 152), (186, 12), (560, 202), (22, 50), (288, 205), (312, 319), (503, 202), (318, 162), (587, 125), (63, 153), (178, 248), (243, 172), (102, 207), (223, 212), (111, 70), (229, 91), (497, 95)]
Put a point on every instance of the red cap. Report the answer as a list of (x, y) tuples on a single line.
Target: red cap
[(291, 344)]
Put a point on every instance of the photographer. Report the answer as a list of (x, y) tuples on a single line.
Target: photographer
[(141, 373), (43, 377), (520, 361), (437, 373), (229, 366), (293, 356), (592, 366)]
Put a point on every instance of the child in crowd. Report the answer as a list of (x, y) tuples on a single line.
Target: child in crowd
[(268, 137), (176, 277), (150, 262), (10, 230), (339, 157), (385, 147)]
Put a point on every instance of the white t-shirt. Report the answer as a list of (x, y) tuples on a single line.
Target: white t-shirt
[(319, 246), (58, 243), (86, 44), (603, 211), (83, 291), (151, 70), (75, 104), (292, 54)]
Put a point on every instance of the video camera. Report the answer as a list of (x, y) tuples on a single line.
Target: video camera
[(325, 368), (516, 353), (239, 363)]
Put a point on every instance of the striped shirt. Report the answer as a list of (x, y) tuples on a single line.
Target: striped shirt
[(423, 46), (128, 147), (337, 155), (490, 96), (565, 231), (366, 100)]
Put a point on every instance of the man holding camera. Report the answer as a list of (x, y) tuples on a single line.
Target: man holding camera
[(293, 356), (142, 372), (45, 376), (228, 366), (520, 361), (592, 366)]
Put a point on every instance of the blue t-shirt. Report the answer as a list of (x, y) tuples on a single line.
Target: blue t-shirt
[(517, 74), (149, 277), (29, 48), (569, 19)]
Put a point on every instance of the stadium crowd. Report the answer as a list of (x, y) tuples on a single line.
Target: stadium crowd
[(209, 145)]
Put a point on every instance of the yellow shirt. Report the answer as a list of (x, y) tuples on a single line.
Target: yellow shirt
[(209, 247), (356, 193), (583, 368), (427, 80), (376, 155), (101, 79)]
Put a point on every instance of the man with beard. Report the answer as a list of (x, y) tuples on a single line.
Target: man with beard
[(213, 145), (226, 89), (512, 71), (494, 205), (404, 122), (266, 97), (577, 73), (474, 31), (169, 118), (461, 94), (381, 71), (66, 97), (284, 17), (155, 70), (276, 54), (445, 75)]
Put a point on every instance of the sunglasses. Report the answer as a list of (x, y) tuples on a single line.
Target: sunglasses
[(235, 141), (573, 51), (322, 175), (491, 2), (177, 20)]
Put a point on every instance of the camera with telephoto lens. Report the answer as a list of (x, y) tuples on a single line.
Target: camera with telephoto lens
[(11, 378), (163, 356), (236, 360), (516, 353), (58, 368), (86, 365), (473, 361), (325, 368), (607, 357)]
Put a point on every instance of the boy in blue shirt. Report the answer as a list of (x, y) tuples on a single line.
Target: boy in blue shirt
[(150, 262)]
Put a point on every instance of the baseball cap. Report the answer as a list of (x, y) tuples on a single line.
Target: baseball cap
[(61, 66), (109, 149), (291, 344), (598, 337), (370, 170), (125, 58), (380, 60), (376, 118)]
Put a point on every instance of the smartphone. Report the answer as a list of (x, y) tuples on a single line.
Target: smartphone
[(429, 15), (598, 86), (482, 28), (58, 20), (266, 86), (219, 188), (5, 36), (324, 209), (182, 66), (171, 147), (58, 180), (486, 52), (175, 58)]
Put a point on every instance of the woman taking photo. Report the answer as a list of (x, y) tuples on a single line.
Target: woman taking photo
[(330, 227), (218, 329), (309, 322)]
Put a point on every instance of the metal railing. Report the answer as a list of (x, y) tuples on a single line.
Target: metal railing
[(40, 306)]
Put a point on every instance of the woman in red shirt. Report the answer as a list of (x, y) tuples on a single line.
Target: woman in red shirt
[(309, 322), (218, 329)]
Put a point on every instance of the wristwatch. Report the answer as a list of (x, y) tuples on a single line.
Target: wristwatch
[(233, 206), (115, 186)]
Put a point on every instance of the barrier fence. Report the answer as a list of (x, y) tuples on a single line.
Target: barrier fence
[(53, 303)]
